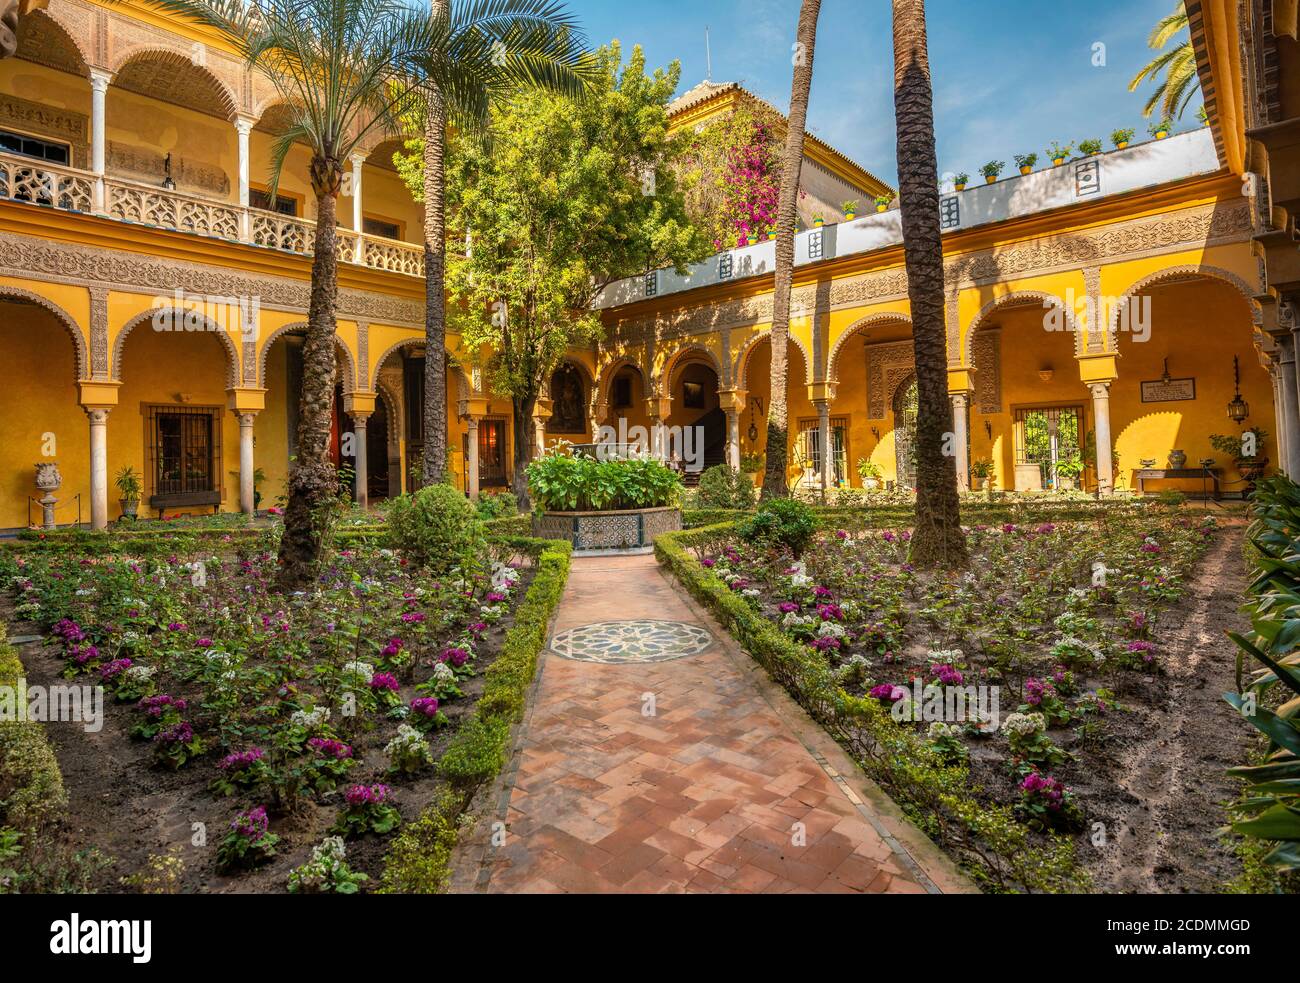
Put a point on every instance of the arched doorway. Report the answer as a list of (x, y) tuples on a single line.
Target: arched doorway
[(905, 404), (698, 414)]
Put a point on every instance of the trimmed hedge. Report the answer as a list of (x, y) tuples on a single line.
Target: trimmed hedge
[(986, 840), (31, 785), (417, 862)]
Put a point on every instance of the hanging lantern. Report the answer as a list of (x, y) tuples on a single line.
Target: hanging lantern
[(1238, 408)]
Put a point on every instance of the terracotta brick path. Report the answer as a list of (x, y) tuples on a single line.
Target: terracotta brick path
[(703, 795)]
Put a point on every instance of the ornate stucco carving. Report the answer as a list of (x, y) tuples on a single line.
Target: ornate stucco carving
[(887, 366), (99, 360), (49, 121), (986, 353), (86, 266)]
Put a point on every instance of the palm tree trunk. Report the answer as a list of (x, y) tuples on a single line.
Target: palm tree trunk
[(778, 417), (435, 260), (937, 539), (312, 479)]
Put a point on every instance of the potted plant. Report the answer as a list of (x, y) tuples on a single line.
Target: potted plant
[(1026, 162), (1057, 153), (1068, 471), (1089, 147), (1121, 138), (751, 239), (869, 472), (1161, 129), (771, 234), (818, 221), (850, 209), (992, 169), (981, 471), (752, 465), (960, 181), (882, 202), (128, 485), (1249, 466)]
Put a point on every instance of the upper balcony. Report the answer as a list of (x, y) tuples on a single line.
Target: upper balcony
[(1078, 182), (119, 113), (35, 182)]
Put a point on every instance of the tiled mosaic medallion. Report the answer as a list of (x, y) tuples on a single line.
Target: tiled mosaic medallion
[(617, 642)]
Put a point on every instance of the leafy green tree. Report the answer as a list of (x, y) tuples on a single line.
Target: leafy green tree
[(1178, 65), (561, 198), (534, 42)]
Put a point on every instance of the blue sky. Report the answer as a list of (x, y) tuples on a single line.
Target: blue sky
[(1010, 76)]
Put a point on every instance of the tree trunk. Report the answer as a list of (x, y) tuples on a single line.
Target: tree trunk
[(937, 539), (312, 478), (524, 446), (435, 260), (778, 416)]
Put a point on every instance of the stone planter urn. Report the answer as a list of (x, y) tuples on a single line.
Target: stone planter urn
[(48, 480)]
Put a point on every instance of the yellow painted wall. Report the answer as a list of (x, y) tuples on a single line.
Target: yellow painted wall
[(39, 397)]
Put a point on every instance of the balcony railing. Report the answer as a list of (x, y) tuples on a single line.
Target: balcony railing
[(39, 182)]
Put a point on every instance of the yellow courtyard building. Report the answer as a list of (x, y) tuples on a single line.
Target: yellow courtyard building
[(1103, 315)]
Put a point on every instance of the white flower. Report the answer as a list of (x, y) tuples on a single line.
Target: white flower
[(831, 629), (948, 656), (364, 670), (443, 672), (1025, 724), (939, 729), (139, 674), (310, 719), (751, 592), (800, 580), (793, 619)]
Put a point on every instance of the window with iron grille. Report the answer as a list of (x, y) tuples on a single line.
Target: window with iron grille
[(1048, 437), (284, 204), (949, 212), (183, 445), (808, 452), (652, 283), (815, 244), (725, 266)]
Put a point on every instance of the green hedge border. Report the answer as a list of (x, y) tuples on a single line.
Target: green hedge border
[(986, 841), (31, 785), (418, 862)]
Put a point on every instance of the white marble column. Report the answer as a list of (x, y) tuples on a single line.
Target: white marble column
[(1101, 433), (1289, 408), (361, 462), (247, 496), (357, 218), (471, 457), (243, 127), (733, 439), (99, 80), (959, 424), (98, 417), (824, 443), (1284, 463)]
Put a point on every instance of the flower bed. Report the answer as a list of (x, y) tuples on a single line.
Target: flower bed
[(274, 721), (1060, 622)]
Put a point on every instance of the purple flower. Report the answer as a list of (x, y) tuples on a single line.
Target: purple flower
[(384, 680), (364, 795), (204, 643), (241, 759), (456, 656), (113, 669), (823, 593), (788, 606), (708, 561), (495, 597), (425, 706), (830, 612), (251, 825), (181, 733), (392, 648), (412, 617), (327, 747)]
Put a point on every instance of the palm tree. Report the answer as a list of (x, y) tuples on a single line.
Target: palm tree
[(938, 539), (533, 43), (344, 69), (1178, 64), (778, 417)]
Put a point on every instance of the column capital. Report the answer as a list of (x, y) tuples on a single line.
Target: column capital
[(357, 159), (1100, 390), (244, 124), (959, 399), (100, 79), (98, 415)]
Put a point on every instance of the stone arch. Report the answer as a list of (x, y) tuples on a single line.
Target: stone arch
[(182, 79), (463, 388), (679, 358), (392, 413), (209, 327), (80, 355), (46, 37), (611, 371), (742, 360), (1019, 296), (1182, 272), (296, 327), (858, 327)]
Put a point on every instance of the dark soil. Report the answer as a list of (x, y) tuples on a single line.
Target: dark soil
[(121, 804)]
